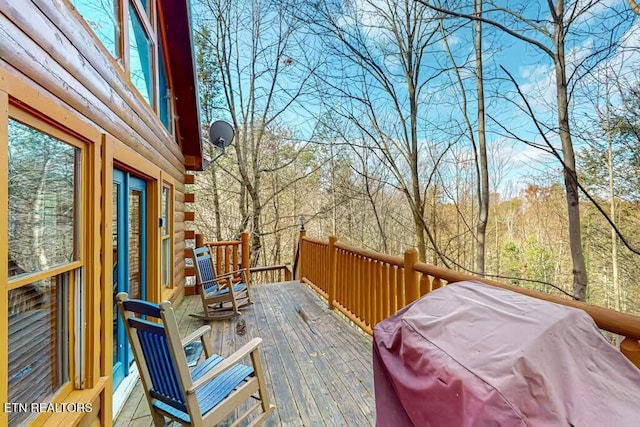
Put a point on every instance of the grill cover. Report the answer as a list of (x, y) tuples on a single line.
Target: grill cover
[(470, 354)]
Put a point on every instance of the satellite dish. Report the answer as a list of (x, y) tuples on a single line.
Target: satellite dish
[(221, 134)]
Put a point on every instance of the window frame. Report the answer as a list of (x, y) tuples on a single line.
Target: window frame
[(139, 12), (153, 28), (76, 347), (167, 237)]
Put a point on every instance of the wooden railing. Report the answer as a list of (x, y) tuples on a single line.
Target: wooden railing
[(271, 274), (368, 286), (228, 255), (233, 255), (313, 264)]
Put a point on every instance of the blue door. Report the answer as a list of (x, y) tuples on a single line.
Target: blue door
[(129, 255)]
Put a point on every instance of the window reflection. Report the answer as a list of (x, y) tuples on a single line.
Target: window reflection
[(164, 106), (102, 17), (42, 200), (38, 342), (165, 210), (147, 6), (166, 237), (140, 60), (135, 243)]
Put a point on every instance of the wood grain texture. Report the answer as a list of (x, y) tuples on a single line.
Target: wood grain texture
[(88, 95), (322, 379)]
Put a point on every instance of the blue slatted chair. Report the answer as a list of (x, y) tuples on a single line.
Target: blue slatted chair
[(221, 297), (203, 396)]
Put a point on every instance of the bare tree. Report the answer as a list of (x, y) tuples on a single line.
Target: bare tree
[(382, 49), (265, 74), (550, 39), (479, 144)]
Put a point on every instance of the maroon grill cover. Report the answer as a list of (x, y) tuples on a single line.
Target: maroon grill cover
[(470, 354)]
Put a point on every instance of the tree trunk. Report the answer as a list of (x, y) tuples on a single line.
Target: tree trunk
[(569, 171), (418, 214), (483, 196), (256, 244), (612, 199), (216, 203)]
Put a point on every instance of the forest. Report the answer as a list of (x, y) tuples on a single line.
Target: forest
[(498, 138)]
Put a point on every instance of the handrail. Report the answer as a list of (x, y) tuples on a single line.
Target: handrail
[(272, 273), (367, 286), (224, 243), (610, 320), (268, 268), (316, 241), (391, 259)]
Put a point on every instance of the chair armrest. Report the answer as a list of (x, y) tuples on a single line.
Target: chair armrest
[(206, 282), (202, 333), (233, 273), (227, 363), (195, 335)]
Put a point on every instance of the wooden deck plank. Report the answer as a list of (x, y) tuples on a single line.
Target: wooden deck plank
[(339, 407), (344, 350), (280, 393), (283, 387), (321, 378), (349, 346), (295, 362)]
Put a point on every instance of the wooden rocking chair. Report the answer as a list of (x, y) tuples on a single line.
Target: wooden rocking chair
[(221, 296), (203, 396)]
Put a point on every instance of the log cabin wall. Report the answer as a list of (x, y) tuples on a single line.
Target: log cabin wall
[(54, 68)]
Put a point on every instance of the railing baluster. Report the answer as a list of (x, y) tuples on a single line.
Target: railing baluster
[(385, 290), (400, 288), (631, 349), (425, 284), (411, 279), (378, 295)]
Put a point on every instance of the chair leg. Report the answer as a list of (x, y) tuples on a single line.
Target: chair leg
[(262, 384), (158, 419), (234, 303)]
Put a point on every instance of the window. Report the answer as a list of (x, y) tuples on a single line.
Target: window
[(102, 17), (38, 341), (42, 199), (146, 4), (165, 102), (140, 57), (143, 58), (167, 246), (44, 253)]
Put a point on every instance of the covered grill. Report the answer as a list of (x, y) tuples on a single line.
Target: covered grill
[(470, 354)]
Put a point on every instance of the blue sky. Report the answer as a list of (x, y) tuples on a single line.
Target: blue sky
[(532, 69)]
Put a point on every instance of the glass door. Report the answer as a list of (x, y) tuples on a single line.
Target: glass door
[(129, 254)]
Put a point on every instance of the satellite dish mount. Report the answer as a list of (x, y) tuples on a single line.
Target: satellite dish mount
[(221, 135)]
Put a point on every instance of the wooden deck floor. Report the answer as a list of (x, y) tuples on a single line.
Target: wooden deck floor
[(315, 379)]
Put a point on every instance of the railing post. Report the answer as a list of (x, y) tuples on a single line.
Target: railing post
[(199, 244), (303, 233), (411, 276), (631, 349), (199, 240), (245, 261), (333, 263)]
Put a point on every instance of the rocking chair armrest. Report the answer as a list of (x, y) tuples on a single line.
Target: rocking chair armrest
[(227, 363), (206, 282), (198, 333), (232, 273), (202, 333)]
